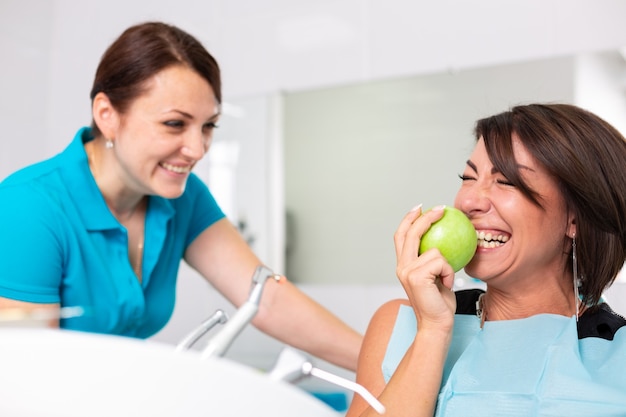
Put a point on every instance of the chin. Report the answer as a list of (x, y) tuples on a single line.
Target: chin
[(171, 193), (473, 270)]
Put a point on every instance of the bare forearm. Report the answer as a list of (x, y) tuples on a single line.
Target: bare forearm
[(291, 316), (20, 310), (414, 387), (286, 313)]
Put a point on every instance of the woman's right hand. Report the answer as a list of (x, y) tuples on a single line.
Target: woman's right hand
[(428, 278)]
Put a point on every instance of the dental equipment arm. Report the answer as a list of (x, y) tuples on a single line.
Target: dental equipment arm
[(218, 345), (219, 317), (293, 366)]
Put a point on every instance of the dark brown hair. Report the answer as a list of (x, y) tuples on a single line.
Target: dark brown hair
[(142, 51), (587, 157)]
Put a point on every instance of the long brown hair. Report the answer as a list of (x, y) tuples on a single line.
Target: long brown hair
[(142, 51), (587, 156)]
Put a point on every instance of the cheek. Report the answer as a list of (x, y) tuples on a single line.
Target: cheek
[(207, 144), (515, 203), (463, 196), (457, 200)]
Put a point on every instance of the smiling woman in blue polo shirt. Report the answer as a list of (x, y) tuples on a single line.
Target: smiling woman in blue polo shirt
[(104, 224)]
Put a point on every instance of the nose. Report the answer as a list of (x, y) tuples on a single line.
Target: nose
[(196, 145), (473, 199)]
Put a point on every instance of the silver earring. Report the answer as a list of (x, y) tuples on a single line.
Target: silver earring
[(575, 276), (108, 144)]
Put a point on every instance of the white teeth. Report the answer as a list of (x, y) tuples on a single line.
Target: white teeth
[(489, 240), (176, 169), (490, 244)]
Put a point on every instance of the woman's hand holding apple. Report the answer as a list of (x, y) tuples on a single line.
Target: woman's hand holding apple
[(428, 278)]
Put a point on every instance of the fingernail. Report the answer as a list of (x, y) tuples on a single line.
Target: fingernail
[(419, 206), (439, 208)]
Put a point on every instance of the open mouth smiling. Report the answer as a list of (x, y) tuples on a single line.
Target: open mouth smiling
[(175, 168), (491, 240)]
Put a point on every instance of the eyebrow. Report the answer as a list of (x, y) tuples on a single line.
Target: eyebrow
[(185, 114), (495, 170), (189, 116), (471, 165)]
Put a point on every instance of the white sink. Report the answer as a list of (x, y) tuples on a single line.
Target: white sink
[(61, 373)]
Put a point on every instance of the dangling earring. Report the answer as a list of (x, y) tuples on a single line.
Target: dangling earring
[(108, 144), (575, 276)]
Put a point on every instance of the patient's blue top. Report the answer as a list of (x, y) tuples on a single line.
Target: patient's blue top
[(59, 243), (544, 365)]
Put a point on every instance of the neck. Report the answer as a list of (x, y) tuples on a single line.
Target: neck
[(126, 215), (122, 204), (498, 305)]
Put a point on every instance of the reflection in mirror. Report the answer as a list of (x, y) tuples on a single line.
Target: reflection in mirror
[(358, 157)]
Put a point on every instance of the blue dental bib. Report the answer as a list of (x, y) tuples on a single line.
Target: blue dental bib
[(536, 366)]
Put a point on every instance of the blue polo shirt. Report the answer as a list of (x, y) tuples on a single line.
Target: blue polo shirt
[(59, 243)]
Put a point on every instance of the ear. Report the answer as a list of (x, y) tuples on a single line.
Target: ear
[(571, 225), (105, 116)]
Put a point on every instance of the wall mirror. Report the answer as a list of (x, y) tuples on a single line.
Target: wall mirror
[(358, 157)]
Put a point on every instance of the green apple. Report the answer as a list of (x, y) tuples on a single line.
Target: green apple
[(455, 237)]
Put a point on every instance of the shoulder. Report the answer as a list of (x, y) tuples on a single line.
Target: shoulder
[(390, 308), (32, 190), (382, 322), (30, 175), (600, 322), (391, 318), (40, 184), (43, 171)]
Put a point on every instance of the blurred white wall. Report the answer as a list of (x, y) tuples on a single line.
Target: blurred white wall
[(50, 48)]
